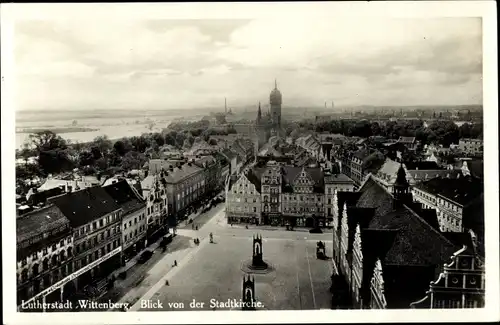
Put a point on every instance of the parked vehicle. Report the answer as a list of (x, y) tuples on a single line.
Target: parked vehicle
[(145, 256), (316, 231)]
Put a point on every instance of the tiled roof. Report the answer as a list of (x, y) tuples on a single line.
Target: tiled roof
[(422, 165), (407, 139), (125, 197), (208, 160), (254, 179), (398, 290), (424, 175), (389, 168), (39, 221), (462, 190), (338, 179), (181, 172), (362, 154), (417, 242), (229, 154), (374, 245), (82, 207), (42, 196)]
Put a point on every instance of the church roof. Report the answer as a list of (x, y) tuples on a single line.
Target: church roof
[(417, 243)]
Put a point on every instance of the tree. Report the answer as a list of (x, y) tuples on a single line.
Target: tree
[(96, 153), (212, 142), (103, 143), (47, 140), (86, 158), (133, 160), (170, 138), (159, 139), (179, 139)]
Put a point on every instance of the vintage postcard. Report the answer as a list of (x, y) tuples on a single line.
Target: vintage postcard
[(250, 162)]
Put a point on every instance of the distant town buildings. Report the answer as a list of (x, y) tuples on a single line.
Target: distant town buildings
[(472, 147)]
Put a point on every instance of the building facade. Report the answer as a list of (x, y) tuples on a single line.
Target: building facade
[(472, 147), (460, 285), (134, 220), (95, 219), (154, 192), (44, 253), (459, 202), (289, 195), (333, 184), (243, 200)]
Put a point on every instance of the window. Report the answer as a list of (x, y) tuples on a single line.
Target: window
[(124, 226), (135, 220), (94, 225), (54, 247), (101, 222), (61, 244), (130, 223), (35, 256)]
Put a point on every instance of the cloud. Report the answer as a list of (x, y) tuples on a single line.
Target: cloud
[(188, 63)]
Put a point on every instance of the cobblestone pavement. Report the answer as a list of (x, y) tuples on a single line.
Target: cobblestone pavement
[(140, 278), (214, 271)]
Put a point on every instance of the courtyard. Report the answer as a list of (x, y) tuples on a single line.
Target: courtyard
[(297, 281)]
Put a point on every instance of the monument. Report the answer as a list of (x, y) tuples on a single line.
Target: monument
[(248, 297), (257, 260), (257, 264)]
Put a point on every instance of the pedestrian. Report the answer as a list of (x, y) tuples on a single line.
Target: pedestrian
[(167, 283), (175, 263)]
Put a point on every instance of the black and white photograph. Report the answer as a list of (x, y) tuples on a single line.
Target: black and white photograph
[(328, 159)]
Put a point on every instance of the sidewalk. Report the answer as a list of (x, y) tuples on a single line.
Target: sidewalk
[(155, 278)]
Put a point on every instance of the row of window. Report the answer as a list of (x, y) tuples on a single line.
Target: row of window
[(141, 217), (242, 209), (54, 247), (134, 234), (302, 209), (97, 224), (302, 198), (93, 241), (56, 258), (97, 254)]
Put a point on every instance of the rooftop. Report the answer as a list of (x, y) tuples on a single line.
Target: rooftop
[(461, 190), (125, 196), (338, 179), (84, 206), (38, 222)]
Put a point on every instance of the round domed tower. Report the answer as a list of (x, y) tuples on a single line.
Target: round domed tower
[(275, 100)]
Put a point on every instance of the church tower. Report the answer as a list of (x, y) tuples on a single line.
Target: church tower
[(401, 189), (275, 100)]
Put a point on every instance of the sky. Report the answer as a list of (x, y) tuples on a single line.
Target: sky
[(172, 64)]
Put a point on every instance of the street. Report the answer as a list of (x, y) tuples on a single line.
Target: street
[(213, 271)]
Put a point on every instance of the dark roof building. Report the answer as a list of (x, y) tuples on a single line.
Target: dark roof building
[(31, 227), (399, 235), (125, 197), (82, 207)]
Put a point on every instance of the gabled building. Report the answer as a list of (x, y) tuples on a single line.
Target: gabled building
[(243, 200), (154, 193), (385, 249), (460, 285)]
